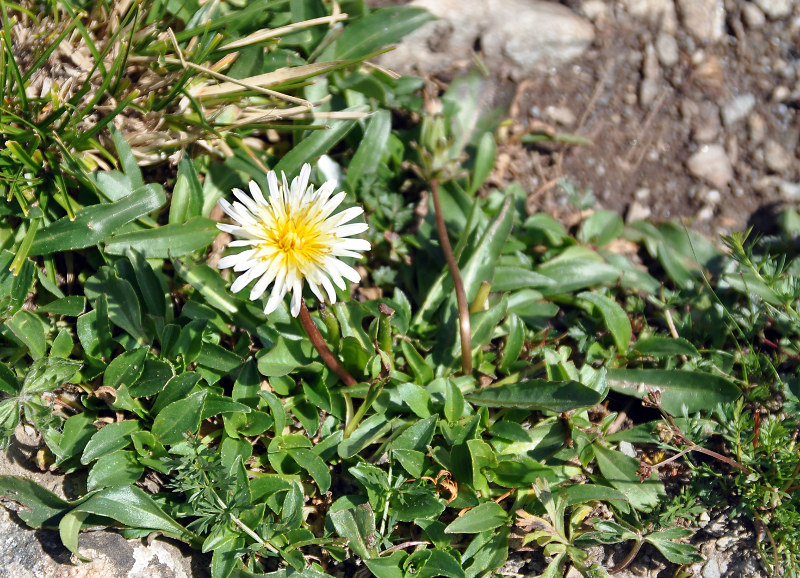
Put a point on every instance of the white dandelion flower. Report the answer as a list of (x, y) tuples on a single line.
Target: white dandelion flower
[(292, 237)]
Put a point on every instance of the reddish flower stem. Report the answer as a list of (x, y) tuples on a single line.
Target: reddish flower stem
[(322, 348), (461, 295)]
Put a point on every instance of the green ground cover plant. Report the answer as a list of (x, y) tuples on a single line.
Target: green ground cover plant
[(469, 397)]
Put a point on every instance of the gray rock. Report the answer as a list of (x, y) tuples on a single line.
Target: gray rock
[(637, 212), (776, 8), (560, 115), (789, 191), (28, 553), (667, 49), (738, 109), (703, 19), (530, 35), (651, 77), (711, 569), (661, 12), (711, 164), (753, 16), (776, 157)]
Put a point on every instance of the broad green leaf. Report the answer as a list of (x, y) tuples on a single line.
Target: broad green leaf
[(390, 566), (515, 341), (484, 162), (28, 328), (42, 508), (14, 285), (417, 436), (366, 433), (173, 240), (614, 316), (357, 526), (71, 306), (176, 388), (368, 155), (480, 266), (95, 223), (285, 357), (127, 160), (62, 344), (431, 563), (574, 274), (187, 195), (486, 516), (537, 394), (314, 465), (381, 27), (675, 552), (120, 468), (178, 418), (659, 346), (124, 310), (681, 391), (68, 529), (601, 228), (621, 472), (513, 278), (49, 374), (317, 143), (419, 367), (132, 507), (8, 381), (108, 439), (126, 368)]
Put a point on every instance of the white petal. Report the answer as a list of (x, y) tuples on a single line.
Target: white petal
[(231, 260), (352, 229), (300, 183), (267, 278), (274, 190), (347, 271), (255, 190), (278, 291), (246, 201), (331, 205), (328, 288), (325, 191), (352, 244), (297, 297), (345, 216), (315, 289)]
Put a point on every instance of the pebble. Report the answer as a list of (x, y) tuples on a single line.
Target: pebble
[(627, 449), (651, 77), (560, 115), (726, 542), (703, 19), (711, 164), (738, 109), (667, 49), (753, 16), (660, 12), (776, 157), (776, 8), (595, 10), (637, 212), (705, 214), (758, 128), (711, 570), (789, 191), (528, 35)]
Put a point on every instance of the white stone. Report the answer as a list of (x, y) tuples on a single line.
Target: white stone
[(789, 191), (660, 12), (711, 164), (529, 35), (703, 19), (627, 449), (776, 8), (667, 49), (753, 16), (560, 115), (738, 109), (595, 10), (637, 212), (776, 157)]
